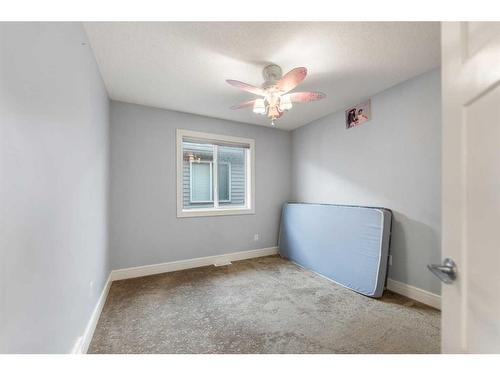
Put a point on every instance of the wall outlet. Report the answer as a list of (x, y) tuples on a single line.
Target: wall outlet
[(256, 237), (390, 260)]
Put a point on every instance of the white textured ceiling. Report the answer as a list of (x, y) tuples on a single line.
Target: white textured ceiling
[(183, 66)]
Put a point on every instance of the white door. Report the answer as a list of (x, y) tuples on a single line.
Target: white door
[(471, 186)]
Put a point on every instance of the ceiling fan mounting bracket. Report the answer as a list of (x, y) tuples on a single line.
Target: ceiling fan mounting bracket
[(272, 74)]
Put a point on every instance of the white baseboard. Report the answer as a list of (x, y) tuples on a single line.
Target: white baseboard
[(83, 342), (129, 273), (415, 293), (77, 348)]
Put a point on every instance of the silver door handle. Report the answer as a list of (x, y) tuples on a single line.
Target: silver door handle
[(446, 272)]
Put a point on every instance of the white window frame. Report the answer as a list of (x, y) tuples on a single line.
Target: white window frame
[(248, 208)]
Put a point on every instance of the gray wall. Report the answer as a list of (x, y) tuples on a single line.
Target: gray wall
[(53, 186), (391, 161), (144, 228)]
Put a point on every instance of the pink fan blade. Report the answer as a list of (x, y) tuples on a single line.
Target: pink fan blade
[(291, 79), (246, 87), (305, 97), (250, 103)]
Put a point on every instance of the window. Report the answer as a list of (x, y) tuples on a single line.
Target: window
[(224, 182), (215, 174), (200, 186)]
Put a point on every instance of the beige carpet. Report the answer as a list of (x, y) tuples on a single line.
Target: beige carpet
[(262, 305)]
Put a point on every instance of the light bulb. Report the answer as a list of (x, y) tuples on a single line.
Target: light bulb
[(285, 103), (259, 106)]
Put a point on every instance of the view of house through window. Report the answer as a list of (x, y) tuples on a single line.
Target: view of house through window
[(232, 170), (214, 174), (198, 175)]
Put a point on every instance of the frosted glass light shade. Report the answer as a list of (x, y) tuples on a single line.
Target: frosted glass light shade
[(285, 103), (259, 107)]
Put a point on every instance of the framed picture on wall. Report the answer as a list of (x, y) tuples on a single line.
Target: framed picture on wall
[(357, 115)]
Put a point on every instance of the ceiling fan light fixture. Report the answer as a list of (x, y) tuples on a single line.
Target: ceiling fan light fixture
[(273, 112), (276, 92), (259, 107)]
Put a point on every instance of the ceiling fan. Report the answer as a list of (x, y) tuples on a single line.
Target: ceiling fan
[(276, 92)]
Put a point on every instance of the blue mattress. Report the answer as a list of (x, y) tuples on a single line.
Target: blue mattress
[(347, 244)]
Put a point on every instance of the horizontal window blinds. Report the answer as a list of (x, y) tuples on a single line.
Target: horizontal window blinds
[(215, 142)]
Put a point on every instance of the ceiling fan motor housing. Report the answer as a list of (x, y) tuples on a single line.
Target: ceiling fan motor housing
[(272, 74)]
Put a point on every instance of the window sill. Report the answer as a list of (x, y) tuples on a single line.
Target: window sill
[(218, 212)]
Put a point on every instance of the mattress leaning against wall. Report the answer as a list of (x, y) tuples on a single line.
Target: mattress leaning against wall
[(347, 244)]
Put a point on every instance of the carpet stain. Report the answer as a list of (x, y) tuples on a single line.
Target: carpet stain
[(261, 305)]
